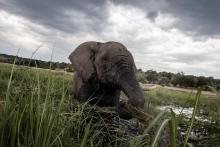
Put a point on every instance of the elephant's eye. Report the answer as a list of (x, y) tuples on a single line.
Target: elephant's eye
[(104, 67), (104, 58)]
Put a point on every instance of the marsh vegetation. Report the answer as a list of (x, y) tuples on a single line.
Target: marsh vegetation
[(37, 109)]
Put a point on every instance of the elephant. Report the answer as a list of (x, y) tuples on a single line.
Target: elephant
[(102, 71)]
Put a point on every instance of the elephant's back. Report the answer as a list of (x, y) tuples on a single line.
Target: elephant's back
[(86, 46)]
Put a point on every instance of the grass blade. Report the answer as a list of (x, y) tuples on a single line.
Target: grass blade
[(198, 94), (173, 128), (157, 136), (155, 121)]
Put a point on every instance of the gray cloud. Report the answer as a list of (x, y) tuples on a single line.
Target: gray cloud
[(70, 16), (195, 17), (199, 18), (191, 58)]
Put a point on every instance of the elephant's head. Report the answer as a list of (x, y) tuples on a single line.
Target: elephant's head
[(110, 63)]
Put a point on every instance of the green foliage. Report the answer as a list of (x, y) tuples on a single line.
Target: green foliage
[(173, 128), (164, 96), (37, 109), (172, 121), (193, 116), (160, 129), (163, 81), (28, 117), (35, 63), (162, 78), (151, 76), (141, 77), (179, 79)]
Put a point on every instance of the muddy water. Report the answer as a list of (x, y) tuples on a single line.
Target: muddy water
[(186, 112), (204, 132)]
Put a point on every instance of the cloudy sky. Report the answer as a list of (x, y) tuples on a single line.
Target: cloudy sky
[(164, 35)]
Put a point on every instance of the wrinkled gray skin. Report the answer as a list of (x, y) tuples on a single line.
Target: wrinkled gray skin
[(102, 71)]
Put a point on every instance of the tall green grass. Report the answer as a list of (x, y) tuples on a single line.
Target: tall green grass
[(162, 96), (32, 106), (37, 109), (172, 122)]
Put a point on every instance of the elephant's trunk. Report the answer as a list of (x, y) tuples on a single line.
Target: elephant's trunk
[(131, 88), (126, 79)]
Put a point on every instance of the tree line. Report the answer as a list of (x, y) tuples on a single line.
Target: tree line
[(35, 63), (178, 79), (150, 76)]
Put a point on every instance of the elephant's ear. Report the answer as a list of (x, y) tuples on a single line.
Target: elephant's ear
[(134, 66), (83, 61)]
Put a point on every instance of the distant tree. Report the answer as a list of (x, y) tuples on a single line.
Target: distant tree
[(165, 74), (140, 70), (141, 76), (189, 81), (202, 81), (211, 81), (164, 81), (163, 78), (62, 65), (217, 84), (177, 79), (151, 76)]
